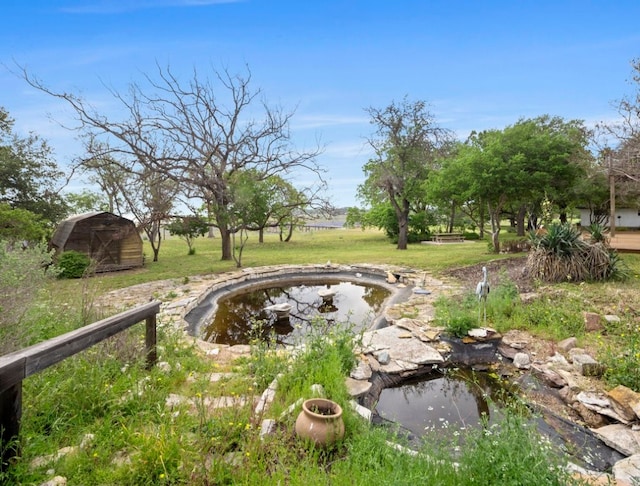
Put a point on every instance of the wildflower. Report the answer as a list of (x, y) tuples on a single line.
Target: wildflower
[(161, 476)]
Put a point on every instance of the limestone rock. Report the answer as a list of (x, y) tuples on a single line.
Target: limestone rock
[(625, 401), (628, 469), (362, 371), (592, 322), (587, 366), (620, 437), (600, 403), (567, 344), (548, 376), (612, 319), (55, 481), (357, 388), (522, 361), (591, 419)]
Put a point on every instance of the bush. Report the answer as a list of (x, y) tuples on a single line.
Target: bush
[(23, 272), (73, 264), (458, 317)]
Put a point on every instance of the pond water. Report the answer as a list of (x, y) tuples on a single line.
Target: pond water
[(242, 315), (454, 399), (458, 399)]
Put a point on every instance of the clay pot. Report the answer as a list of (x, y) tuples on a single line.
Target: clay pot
[(320, 422)]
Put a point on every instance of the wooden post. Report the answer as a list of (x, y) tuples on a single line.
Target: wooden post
[(612, 200), (10, 415), (10, 411), (150, 340)]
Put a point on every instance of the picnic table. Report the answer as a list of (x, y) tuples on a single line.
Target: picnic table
[(448, 237)]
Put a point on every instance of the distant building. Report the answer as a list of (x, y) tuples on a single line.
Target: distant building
[(112, 241), (625, 218)]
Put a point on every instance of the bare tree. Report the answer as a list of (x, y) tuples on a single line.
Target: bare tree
[(197, 134)]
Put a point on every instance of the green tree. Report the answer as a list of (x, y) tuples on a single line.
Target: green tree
[(29, 177), (407, 145), (86, 201), (21, 225), (520, 166), (188, 228)]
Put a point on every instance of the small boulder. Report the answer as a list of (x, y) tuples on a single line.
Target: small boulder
[(587, 366), (592, 322), (567, 344), (522, 361), (625, 402)]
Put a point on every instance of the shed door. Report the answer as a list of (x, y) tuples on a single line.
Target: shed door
[(104, 249)]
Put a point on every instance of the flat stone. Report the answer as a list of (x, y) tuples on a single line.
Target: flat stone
[(411, 351), (398, 366), (548, 376), (628, 469), (357, 388), (507, 351), (478, 332), (625, 402), (586, 365), (612, 319), (567, 344), (362, 371), (601, 404), (620, 437)]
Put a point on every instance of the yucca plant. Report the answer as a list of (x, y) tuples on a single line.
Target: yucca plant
[(562, 254)]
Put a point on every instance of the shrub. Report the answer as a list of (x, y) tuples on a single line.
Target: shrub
[(73, 264), (458, 317), (23, 272)]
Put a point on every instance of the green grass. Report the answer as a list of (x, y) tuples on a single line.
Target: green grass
[(340, 246)]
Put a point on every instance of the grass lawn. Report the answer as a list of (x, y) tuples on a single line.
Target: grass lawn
[(340, 246)]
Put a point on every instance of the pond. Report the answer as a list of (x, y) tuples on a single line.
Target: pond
[(243, 315), (451, 399)]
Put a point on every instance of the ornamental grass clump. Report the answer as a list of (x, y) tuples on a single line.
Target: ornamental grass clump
[(564, 254)]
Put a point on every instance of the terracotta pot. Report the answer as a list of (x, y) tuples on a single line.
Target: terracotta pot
[(320, 421)]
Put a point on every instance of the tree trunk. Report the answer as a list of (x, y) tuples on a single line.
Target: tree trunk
[(403, 225), (289, 234), (522, 212), (494, 214), (225, 237), (261, 235), (563, 216), (452, 216)]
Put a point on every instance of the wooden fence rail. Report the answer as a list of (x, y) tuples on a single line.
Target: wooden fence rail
[(17, 366)]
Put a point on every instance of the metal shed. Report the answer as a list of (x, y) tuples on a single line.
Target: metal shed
[(112, 241)]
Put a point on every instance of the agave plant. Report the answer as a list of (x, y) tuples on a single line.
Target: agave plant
[(561, 254)]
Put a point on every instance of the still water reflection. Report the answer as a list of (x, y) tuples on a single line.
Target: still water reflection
[(236, 315), (457, 399)]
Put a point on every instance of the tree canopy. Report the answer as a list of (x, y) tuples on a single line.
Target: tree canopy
[(29, 177)]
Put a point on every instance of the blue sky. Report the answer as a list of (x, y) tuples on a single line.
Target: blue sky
[(480, 64)]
